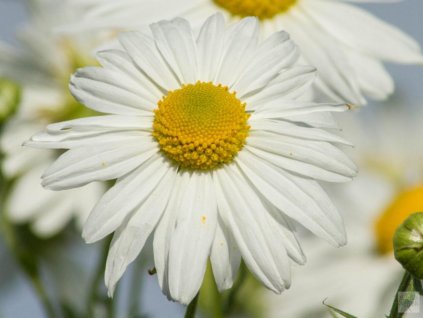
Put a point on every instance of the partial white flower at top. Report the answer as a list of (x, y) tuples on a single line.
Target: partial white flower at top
[(363, 277), (346, 44), (212, 150), (42, 67)]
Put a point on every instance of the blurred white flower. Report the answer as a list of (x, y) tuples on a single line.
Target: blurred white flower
[(362, 278), (346, 44), (212, 150), (42, 67)]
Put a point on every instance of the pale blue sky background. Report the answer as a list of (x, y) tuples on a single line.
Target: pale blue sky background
[(18, 302)]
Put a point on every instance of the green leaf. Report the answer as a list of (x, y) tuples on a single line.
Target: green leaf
[(335, 311)]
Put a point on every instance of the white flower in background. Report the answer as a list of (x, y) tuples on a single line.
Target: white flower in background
[(346, 44), (362, 278), (42, 67), (212, 152)]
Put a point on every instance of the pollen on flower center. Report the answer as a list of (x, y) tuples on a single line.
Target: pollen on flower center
[(405, 204), (201, 126), (263, 9)]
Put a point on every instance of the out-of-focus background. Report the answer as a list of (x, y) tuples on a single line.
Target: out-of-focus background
[(16, 296), (17, 299), (407, 15)]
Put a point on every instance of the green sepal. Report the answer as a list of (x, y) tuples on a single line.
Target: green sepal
[(408, 244)]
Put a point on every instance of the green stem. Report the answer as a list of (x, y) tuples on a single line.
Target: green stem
[(43, 296), (229, 306), (94, 296), (110, 305), (5, 227), (211, 299), (406, 280), (192, 307), (418, 286)]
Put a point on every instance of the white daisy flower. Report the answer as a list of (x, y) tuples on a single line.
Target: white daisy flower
[(212, 150), (363, 277), (42, 67), (346, 44)]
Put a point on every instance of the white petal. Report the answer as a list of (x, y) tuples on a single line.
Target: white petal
[(103, 86), (302, 168), (163, 232), (104, 98), (320, 51), (273, 55), (284, 231), (289, 129), (106, 122), (323, 120), (192, 237), (176, 43), (129, 239), (142, 50), (280, 108), (79, 166), (17, 130), (225, 257), (358, 29), (130, 14), (123, 198), (240, 43), (245, 215), (88, 197), (289, 84), (320, 154), (120, 61), (23, 160), (28, 197), (54, 218), (210, 46), (372, 76), (292, 197), (69, 139)]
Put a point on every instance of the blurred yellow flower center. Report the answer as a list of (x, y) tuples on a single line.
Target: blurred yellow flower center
[(68, 108), (405, 204), (262, 9), (201, 126)]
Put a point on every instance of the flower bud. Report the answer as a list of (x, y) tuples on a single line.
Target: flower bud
[(408, 244)]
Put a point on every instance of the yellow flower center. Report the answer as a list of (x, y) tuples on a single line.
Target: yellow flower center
[(201, 126), (405, 204), (262, 9)]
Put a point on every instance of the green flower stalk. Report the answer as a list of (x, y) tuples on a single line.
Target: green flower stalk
[(408, 245)]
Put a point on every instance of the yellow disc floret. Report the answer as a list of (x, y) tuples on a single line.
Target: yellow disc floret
[(262, 9), (201, 126), (405, 204)]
